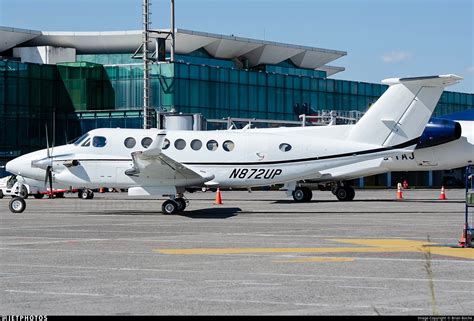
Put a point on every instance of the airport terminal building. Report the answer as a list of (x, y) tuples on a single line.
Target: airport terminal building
[(77, 81)]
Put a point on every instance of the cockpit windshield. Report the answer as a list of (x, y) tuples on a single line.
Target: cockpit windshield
[(81, 139)]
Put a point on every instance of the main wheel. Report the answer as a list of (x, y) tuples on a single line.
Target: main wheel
[(91, 194), (352, 193), (38, 196), (169, 207), (181, 203), (1, 194), (17, 205), (345, 193), (84, 194), (302, 194)]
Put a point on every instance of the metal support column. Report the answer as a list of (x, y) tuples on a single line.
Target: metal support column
[(172, 31), (146, 85)]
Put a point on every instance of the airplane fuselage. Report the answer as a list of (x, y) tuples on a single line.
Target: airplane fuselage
[(231, 158)]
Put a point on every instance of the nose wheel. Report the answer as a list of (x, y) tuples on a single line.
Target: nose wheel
[(17, 205)]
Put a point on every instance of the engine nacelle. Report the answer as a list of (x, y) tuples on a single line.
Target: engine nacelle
[(439, 131)]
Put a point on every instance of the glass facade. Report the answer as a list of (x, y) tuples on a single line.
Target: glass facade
[(107, 91)]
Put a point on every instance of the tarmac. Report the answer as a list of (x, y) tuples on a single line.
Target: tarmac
[(258, 253)]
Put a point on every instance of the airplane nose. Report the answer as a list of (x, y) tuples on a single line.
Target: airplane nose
[(12, 167)]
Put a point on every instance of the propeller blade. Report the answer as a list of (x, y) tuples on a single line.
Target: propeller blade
[(50, 183), (46, 177), (49, 177), (54, 131), (47, 140)]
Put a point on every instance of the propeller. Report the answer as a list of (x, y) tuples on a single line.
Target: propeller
[(49, 167)]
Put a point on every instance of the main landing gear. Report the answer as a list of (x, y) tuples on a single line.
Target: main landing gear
[(85, 194), (344, 193), (174, 205), (302, 194)]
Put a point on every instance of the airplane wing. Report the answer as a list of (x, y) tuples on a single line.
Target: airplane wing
[(153, 164), (352, 171)]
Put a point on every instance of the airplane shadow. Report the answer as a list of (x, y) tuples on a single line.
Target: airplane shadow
[(212, 213), (209, 213), (288, 201)]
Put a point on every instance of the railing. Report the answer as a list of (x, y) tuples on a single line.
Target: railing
[(319, 118)]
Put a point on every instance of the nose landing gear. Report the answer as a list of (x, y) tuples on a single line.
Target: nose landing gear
[(17, 205)]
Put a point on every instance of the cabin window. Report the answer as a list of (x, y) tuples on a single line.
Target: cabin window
[(80, 139), (228, 145), (196, 144), (86, 143), (99, 141), (285, 147), (130, 142), (180, 144), (212, 145), (146, 142), (166, 144)]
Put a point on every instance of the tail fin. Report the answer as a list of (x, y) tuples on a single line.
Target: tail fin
[(402, 112)]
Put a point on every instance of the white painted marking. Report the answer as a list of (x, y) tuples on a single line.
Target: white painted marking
[(257, 283), (362, 287), (317, 277), (455, 291)]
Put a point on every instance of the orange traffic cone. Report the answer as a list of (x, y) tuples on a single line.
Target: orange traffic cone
[(399, 191), (218, 197), (463, 241), (102, 190), (442, 195)]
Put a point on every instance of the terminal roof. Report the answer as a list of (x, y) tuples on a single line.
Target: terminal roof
[(257, 52)]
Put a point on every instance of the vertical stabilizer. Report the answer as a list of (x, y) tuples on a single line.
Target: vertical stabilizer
[(402, 112)]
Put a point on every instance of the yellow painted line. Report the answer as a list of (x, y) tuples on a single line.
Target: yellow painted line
[(211, 251), (317, 259), (368, 246)]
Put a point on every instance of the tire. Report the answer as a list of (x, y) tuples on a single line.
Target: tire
[(17, 205), (181, 204), (345, 194), (351, 193), (1, 194), (91, 195), (309, 194), (59, 195), (302, 194), (23, 192), (169, 207), (84, 194), (38, 196)]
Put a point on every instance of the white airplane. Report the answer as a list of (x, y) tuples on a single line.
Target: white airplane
[(166, 163), (444, 145)]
